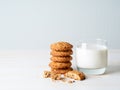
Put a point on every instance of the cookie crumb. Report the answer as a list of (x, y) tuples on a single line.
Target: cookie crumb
[(47, 74), (63, 80), (71, 81)]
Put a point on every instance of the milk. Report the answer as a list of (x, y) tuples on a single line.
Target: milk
[(91, 58)]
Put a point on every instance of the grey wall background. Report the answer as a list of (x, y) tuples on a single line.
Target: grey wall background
[(35, 24)]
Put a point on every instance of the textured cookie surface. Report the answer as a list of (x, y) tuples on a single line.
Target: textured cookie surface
[(61, 71), (61, 53), (61, 59), (58, 65), (61, 46), (74, 74)]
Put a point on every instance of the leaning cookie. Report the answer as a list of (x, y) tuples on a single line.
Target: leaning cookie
[(74, 74), (61, 71), (57, 65), (61, 59), (61, 46), (61, 53)]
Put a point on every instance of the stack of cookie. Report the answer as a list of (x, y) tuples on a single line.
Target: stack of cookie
[(61, 57)]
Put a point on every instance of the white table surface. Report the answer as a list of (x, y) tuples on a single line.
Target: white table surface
[(22, 70)]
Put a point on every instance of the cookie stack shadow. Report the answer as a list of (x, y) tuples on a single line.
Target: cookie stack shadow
[(61, 57)]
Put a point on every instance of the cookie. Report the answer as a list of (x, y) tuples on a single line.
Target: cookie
[(61, 46), (74, 74), (58, 65), (61, 59), (61, 53), (61, 71)]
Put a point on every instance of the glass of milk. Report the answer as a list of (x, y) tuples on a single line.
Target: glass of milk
[(91, 57)]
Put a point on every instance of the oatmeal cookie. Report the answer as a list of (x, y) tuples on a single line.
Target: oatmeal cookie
[(61, 53), (74, 74), (61, 59), (61, 46), (58, 65)]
